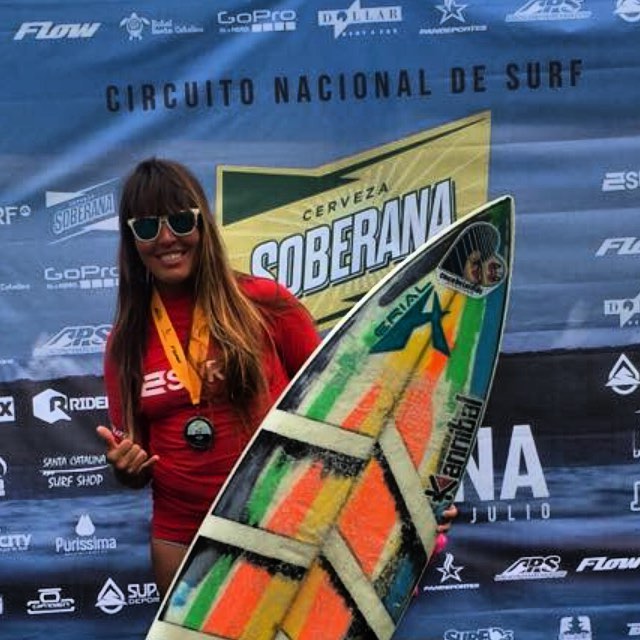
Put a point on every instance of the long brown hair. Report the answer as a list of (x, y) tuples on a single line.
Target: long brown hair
[(237, 326)]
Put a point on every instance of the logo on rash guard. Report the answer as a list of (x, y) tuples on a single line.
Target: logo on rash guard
[(158, 382)]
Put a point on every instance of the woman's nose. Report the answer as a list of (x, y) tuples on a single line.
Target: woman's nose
[(165, 234)]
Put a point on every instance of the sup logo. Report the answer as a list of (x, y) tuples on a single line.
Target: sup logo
[(623, 377)]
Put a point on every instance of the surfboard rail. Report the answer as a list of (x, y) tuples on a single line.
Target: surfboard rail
[(329, 517)]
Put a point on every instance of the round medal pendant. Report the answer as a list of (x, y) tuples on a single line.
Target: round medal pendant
[(198, 432)]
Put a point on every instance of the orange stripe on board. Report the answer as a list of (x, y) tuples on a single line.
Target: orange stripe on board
[(290, 513), (235, 606), (327, 615), (414, 416), (370, 508), (356, 418)]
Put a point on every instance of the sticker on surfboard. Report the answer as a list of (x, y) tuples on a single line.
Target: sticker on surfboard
[(329, 517)]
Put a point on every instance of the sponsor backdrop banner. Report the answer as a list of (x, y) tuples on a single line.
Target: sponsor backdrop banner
[(333, 138)]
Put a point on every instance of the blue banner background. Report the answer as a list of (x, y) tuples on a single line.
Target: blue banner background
[(565, 145)]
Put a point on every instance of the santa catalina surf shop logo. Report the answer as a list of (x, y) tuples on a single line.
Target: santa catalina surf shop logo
[(79, 212)]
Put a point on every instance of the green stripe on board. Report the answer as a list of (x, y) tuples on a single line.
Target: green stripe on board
[(276, 469), (207, 592), (461, 359), (349, 364)]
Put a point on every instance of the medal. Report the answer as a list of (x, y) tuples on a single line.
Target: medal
[(198, 432)]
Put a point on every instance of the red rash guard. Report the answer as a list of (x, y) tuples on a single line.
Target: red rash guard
[(185, 481)]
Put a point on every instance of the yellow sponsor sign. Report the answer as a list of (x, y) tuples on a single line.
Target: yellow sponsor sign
[(330, 233)]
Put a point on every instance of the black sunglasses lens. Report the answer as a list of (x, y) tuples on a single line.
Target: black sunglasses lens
[(182, 223), (146, 228)]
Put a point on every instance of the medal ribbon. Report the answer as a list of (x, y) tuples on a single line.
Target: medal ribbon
[(197, 349)]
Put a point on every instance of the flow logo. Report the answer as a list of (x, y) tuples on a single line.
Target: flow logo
[(47, 30)]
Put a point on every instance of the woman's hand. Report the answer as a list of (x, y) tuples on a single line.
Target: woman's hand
[(447, 519), (131, 463)]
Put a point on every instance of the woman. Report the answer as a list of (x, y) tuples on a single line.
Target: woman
[(197, 355)]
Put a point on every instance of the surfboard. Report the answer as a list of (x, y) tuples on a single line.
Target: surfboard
[(327, 521)]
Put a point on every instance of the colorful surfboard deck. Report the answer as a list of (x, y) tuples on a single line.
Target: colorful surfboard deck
[(328, 520)]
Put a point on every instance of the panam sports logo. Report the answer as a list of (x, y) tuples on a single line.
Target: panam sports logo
[(79, 212), (450, 578), (453, 19)]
